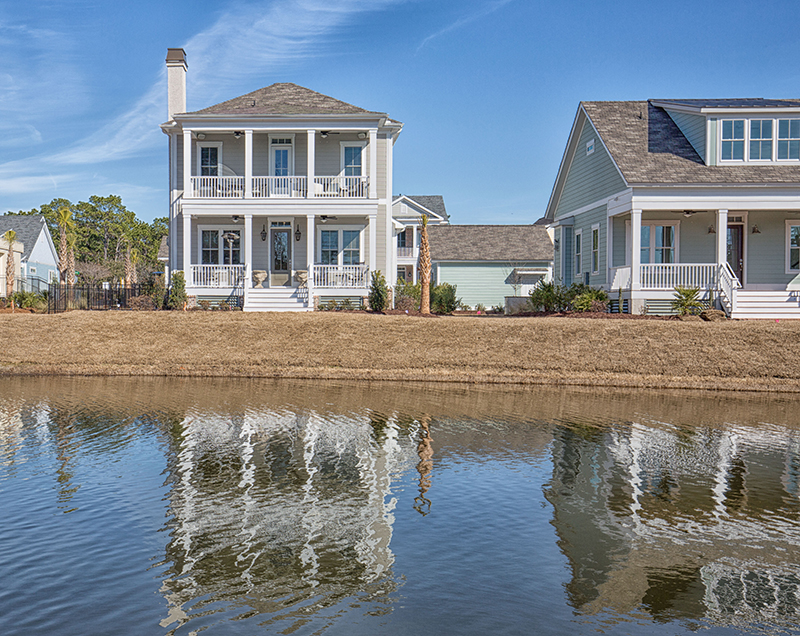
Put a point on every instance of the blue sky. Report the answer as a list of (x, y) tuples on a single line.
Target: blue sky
[(487, 89)]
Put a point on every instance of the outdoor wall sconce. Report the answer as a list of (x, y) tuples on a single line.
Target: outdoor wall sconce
[(755, 230), (711, 229), (297, 234), (263, 232)]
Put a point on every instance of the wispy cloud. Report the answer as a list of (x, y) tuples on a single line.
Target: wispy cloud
[(466, 19), (250, 40)]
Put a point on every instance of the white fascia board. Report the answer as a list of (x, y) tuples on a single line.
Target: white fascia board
[(751, 111), (418, 206), (338, 123), (283, 207), (680, 108), (50, 244), (716, 198)]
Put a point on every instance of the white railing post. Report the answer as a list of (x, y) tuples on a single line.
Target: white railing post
[(373, 163), (248, 252), (311, 163), (722, 237), (187, 248)]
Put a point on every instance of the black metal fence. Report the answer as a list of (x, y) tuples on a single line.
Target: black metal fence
[(61, 298)]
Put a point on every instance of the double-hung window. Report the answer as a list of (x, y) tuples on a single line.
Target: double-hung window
[(658, 243), (340, 246), (578, 247), (595, 249), (220, 246), (733, 140), (760, 140), (352, 159), (789, 139), (793, 246)]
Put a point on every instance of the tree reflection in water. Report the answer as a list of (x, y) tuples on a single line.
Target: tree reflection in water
[(425, 466)]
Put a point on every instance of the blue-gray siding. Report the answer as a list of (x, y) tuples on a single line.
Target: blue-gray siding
[(693, 128), (589, 177), (481, 283), (584, 223)]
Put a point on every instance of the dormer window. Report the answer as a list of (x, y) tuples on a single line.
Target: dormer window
[(760, 140), (754, 140), (733, 140), (789, 139)]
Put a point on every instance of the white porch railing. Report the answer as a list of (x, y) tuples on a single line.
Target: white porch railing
[(356, 276), (217, 187), (671, 275), (292, 187), (216, 276), (728, 284), (405, 252), (281, 187), (341, 187)]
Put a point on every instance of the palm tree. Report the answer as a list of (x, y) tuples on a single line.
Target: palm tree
[(65, 225), (9, 237), (424, 268), (72, 238), (131, 258)]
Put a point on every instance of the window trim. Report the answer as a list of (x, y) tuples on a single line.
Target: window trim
[(221, 229), (775, 119), (788, 242), (595, 251), (209, 144), (655, 222), (340, 244), (577, 254), (352, 144)]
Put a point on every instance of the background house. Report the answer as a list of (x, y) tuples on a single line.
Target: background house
[(700, 193), (407, 213), (39, 259), (489, 262)]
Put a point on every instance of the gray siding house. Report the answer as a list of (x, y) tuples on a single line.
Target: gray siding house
[(407, 213), (701, 193), (489, 262)]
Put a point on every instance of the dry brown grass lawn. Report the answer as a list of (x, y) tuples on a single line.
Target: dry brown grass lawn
[(753, 355)]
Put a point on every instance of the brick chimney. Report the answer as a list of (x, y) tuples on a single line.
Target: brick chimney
[(176, 82)]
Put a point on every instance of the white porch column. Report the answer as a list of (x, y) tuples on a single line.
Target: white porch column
[(636, 249), (187, 249), (312, 152), (310, 230), (248, 170), (187, 164), (373, 245), (722, 237), (373, 163), (609, 249), (248, 251)]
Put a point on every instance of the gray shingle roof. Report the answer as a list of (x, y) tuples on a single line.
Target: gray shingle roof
[(27, 228), (284, 99), (497, 243), (432, 202), (648, 147)]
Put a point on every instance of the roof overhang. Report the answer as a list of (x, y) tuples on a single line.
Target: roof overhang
[(725, 110), (417, 205)]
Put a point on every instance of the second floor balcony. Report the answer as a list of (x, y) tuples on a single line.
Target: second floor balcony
[(236, 187)]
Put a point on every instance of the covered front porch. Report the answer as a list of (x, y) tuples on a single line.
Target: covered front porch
[(744, 262), (267, 261)]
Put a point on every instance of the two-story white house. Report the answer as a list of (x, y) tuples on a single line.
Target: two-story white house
[(279, 199), (655, 194)]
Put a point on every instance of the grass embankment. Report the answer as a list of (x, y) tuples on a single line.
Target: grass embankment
[(666, 354)]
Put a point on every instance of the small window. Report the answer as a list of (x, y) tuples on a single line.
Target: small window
[(401, 239), (789, 139), (733, 139), (285, 141), (595, 250), (760, 139), (281, 224), (589, 147), (578, 241)]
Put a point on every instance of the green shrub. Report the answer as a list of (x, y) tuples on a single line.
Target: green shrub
[(177, 292), (590, 299), (443, 298), (347, 304), (481, 308), (549, 297), (686, 300), (407, 295), (378, 292), (158, 291), (29, 300), (205, 305)]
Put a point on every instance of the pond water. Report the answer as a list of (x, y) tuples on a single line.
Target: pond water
[(255, 507)]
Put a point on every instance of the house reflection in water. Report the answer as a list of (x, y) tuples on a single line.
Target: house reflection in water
[(696, 523), (287, 512)]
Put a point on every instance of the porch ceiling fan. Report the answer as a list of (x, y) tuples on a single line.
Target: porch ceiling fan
[(325, 218), (687, 213)]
